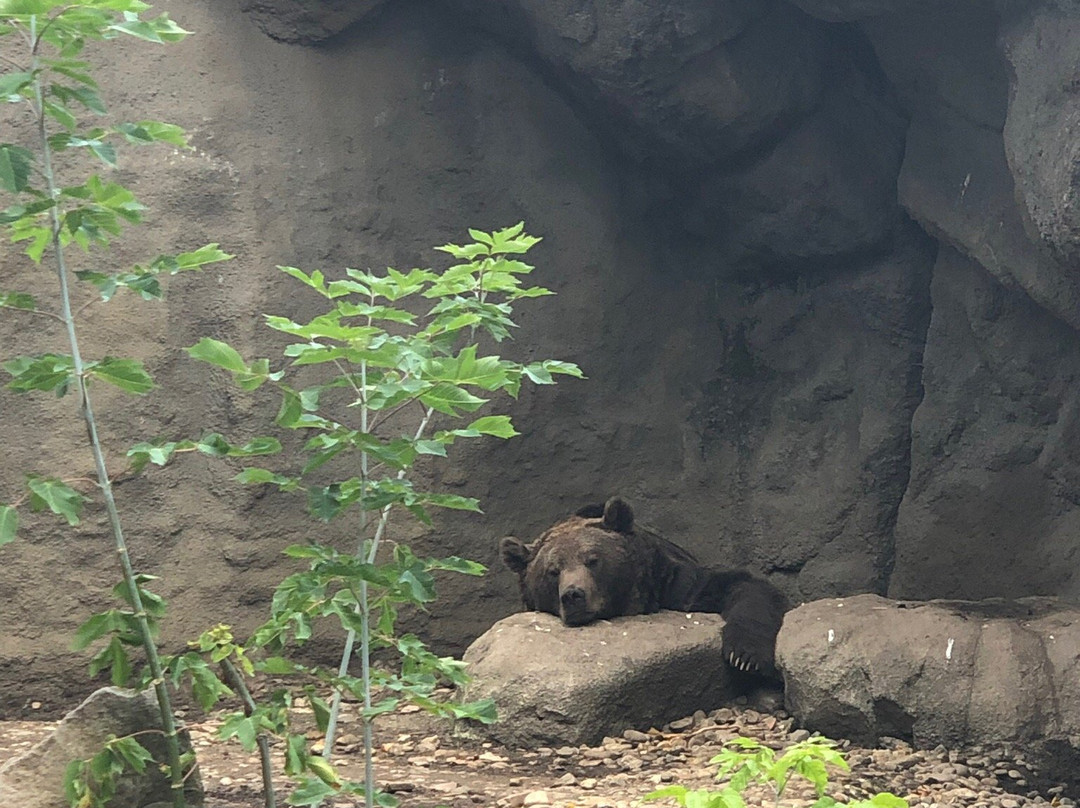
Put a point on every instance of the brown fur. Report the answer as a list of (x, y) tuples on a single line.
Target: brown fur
[(599, 564)]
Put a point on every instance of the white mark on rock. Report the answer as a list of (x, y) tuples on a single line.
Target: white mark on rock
[(948, 648), (832, 636)]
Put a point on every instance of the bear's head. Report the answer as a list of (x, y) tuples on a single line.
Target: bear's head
[(585, 568)]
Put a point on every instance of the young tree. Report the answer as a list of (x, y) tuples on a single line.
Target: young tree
[(49, 90), (403, 366)]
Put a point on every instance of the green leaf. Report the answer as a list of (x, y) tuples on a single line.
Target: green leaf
[(133, 753), (74, 785), (15, 165), (9, 524), (263, 445), (207, 254), (97, 626), (160, 29), (484, 711), (214, 445), (242, 728), (541, 372), (498, 426), (276, 666), (451, 400), (113, 658), (312, 792), (12, 83), (218, 353), (481, 236), (430, 447), (127, 374), (316, 280), (87, 96), (76, 71), (18, 300), (673, 792), (151, 131), (456, 564), (61, 115), (320, 711), (452, 501), (887, 800), (57, 496), (24, 216), (156, 453), (106, 284), (290, 411), (255, 475), (296, 755)]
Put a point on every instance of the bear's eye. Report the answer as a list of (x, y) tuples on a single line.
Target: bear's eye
[(592, 561), (553, 572)]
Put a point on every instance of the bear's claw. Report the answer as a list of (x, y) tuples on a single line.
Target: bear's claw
[(742, 665)]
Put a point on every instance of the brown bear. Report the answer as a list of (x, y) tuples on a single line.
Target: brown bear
[(600, 564)]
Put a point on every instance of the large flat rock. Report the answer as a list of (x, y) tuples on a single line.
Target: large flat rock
[(555, 685), (940, 672)]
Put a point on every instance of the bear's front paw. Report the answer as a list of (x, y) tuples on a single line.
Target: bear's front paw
[(749, 648)]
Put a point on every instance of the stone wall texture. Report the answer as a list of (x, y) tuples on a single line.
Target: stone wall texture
[(818, 260)]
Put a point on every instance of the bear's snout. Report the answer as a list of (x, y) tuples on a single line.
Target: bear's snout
[(574, 606), (573, 597)]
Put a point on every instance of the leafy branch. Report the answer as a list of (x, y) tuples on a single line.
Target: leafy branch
[(390, 344), (54, 86)]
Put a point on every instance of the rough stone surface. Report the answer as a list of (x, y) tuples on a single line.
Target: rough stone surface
[(827, 190), (702, 79), (813, 392), (852, 10), (942, 672), (956, 179), (555, 685), (995, 447), (1042, 134), (307, 21), (35, 778), (714, 183)]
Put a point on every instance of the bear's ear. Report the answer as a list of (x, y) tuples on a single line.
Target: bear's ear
[(618, 515), (590, 511), (514, 554)]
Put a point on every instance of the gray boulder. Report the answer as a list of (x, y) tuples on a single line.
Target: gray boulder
[(1040, 133), (35, 779), (827, 189), (937, 672), (705, 79), (555, 685)]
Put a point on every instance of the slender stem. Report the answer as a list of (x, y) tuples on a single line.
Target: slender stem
[(365, 612), (53, 315), (236, 681), (365, 675), (168, 723)]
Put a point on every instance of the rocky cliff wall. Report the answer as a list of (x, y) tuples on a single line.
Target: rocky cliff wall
[(818, 261)]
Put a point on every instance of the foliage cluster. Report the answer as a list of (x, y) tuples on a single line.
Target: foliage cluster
[(400, 375), (400, 354), (746, 762), (50, 82)]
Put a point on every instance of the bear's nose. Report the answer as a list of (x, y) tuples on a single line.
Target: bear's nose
[(572, 597)]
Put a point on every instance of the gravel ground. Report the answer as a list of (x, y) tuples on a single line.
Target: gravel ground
[(425, 765)]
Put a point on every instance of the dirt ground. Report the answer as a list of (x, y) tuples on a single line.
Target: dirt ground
[(426, 764), (419, 760)]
